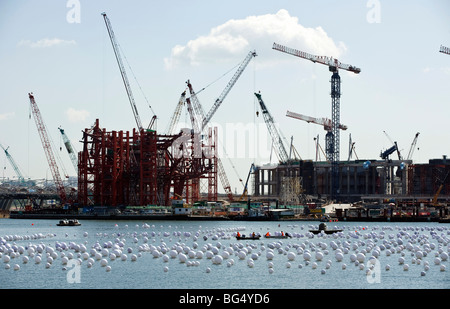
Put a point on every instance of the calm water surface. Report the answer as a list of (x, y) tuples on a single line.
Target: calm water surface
[(148, 272)]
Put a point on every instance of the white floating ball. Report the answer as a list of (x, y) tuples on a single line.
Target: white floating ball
[(6, 258), (339, 256), (123, 257), (269, 255), (319, 256), (103, 262), (166, 269), (288, 265), (360, 257), (437, 261), (208, 270), (405, 267), (16, 267), (344, 266), (314, 265), (306, 256), (442, 267), (108, 268), (25, 259), (291, 256)]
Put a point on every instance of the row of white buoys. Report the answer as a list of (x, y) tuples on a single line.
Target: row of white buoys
[(356, 245)]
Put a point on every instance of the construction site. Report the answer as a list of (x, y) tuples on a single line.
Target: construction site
[(142, 167)]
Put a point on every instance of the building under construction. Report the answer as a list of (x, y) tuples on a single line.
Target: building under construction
[(358, 180), (119, 168)]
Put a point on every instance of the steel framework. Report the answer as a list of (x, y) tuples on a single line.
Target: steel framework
[(117, 168)]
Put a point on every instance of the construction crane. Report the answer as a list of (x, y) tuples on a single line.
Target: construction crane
[(195, 110), (444, 50), (115, 46), (385, 154), (325, 122), (70, 149), (245, 192), (13, 164), (333, 151), (227, 89), (177, 113), (413, 146), (47, 149), (273, 131)]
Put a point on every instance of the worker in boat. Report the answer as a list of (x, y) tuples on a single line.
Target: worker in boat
[(253, 234), (267, 234), (238, 234), (282, 233)]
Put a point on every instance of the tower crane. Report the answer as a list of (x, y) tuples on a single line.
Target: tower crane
[(333, 149), (115, 46), (325, 122), (70, 150), (47, 149), (13, 163), (274, 133), (444, 50)]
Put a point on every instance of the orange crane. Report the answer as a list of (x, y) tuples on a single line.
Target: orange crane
[(47, 149), (444, 50), (333, 142)]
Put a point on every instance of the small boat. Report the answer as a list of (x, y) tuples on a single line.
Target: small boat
[(278, 236), (251, 237), (323, 228), (71, 222)]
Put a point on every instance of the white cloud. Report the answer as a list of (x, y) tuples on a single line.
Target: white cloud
[(237, 37), (6, 116), (43, 43), (77, 115)]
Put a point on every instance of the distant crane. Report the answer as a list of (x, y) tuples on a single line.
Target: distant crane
[(444, 50), (385, 154), (333, 149), (274, 133), (115, 46), (413, 146), (177, 113), (70, 149), (13, 163), (47, 149)]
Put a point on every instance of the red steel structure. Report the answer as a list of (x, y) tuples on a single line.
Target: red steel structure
[(117, 168)]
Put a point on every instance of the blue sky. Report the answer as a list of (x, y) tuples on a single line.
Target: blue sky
[(65, 58)]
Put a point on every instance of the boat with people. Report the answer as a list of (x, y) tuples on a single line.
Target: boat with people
[(252, 236), (71, 222), (323, 228), (282, 235)]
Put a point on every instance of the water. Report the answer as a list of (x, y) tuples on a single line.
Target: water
[(147, 272)]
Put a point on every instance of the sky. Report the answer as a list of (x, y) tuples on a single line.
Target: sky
[(60, 50)]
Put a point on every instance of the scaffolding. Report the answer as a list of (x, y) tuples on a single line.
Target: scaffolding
[(117, 168)]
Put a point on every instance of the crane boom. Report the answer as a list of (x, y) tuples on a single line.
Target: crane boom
[(70, 150), (325, 122), (47, 148), (413, 146), (333, 64), (227, 89), (444, 50), (115, 46), (13, 163), (177, 113), (276, 136)]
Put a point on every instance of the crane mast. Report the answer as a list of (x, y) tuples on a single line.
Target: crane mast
[(276, 136), (70, 150), (333, 136), (47, 148), (115, 46), (13, 163)]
